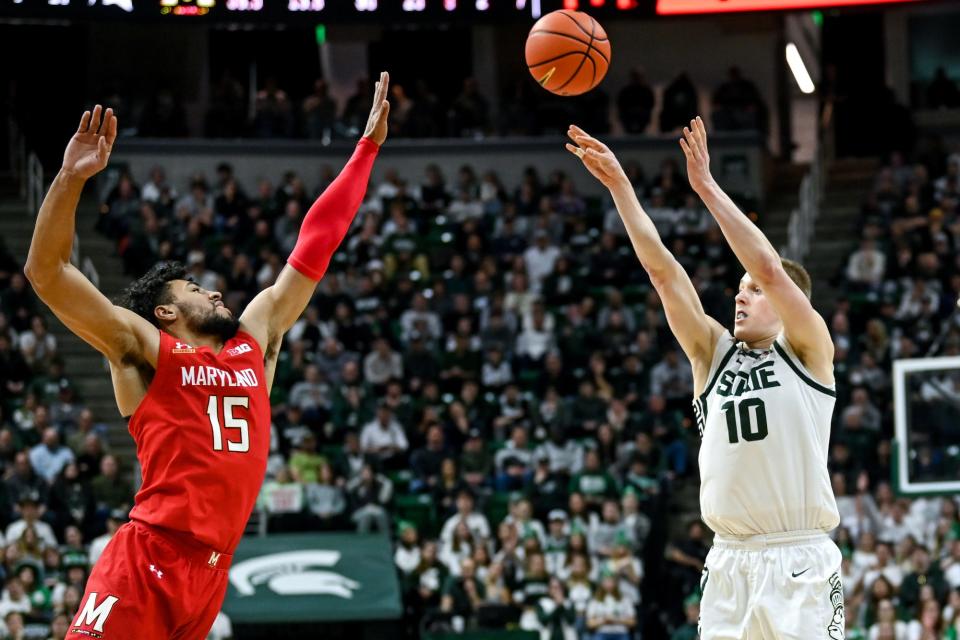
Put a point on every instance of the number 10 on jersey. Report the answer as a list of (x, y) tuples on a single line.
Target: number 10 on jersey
[(732, 410), (229, 422)]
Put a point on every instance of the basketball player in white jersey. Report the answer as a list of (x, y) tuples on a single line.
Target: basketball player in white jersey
[(763, 397)]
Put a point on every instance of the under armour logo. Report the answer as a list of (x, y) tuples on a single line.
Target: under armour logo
[(182, 347), (153, 569), (214, 559)]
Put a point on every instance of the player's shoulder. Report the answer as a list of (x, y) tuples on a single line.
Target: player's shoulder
[(815, 378)]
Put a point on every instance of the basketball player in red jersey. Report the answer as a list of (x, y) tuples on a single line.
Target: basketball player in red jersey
[(195, 382)]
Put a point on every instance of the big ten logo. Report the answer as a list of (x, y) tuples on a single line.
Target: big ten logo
[(240, 348)]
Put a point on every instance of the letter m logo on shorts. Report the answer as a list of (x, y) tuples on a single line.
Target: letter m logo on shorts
[(92, 614)]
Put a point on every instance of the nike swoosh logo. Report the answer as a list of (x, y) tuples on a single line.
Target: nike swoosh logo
[(797, 575)]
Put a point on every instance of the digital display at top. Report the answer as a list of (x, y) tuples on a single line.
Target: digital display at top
[(378, 10)]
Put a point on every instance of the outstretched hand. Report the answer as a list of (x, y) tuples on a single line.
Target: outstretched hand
[(694, 144), (89, 149), (377, 122), (596, 157)]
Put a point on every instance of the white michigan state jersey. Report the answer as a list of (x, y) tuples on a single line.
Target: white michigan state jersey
[(765, 429)]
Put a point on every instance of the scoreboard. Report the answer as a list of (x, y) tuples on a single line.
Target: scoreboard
[(280, 11)]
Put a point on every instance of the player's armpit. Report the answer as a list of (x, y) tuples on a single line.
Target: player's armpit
[(803, 327), (118, 333), (277, 308)]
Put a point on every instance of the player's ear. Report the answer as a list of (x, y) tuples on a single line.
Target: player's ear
[(166, 312)]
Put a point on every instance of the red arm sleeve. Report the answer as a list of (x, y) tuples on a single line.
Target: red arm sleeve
[(329, 219)]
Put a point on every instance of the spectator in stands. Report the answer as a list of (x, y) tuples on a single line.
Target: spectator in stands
[(610, 616), (14, 600), (319, 112), (476, 522), (635, 103), (867, 266), (38, 346), (463, 594), (18, 302), (111, 491), (384, 439), (370, 494), (49, 457), (679, 103), (114, 521), (564, 455), (14, 371), (689, 630), (426, 463), (30, 509), (382, 364), (24, 480), (469, 114), (326, 499), (514, 462), (273, 113), (305, 463), (737, 104)]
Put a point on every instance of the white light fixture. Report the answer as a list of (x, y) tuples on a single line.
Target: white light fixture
[(799, 69)]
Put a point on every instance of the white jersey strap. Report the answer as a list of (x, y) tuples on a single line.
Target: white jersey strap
[(785, 351), (726, 347)]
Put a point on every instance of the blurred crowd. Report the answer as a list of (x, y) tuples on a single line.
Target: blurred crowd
[(62, 493), (420, 111), (486, 374), (901, 284)]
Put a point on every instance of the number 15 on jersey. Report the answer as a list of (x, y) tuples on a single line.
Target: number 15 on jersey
[(229, 422)]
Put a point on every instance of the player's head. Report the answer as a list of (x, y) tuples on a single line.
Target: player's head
[(754, 316), (168, 297)]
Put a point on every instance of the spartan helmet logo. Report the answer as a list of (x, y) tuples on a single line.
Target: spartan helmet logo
[(293, 573)]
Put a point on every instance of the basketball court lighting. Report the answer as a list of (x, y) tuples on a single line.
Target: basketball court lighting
[(799, 69)]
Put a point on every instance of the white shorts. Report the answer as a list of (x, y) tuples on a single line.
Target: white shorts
[(783, 586)]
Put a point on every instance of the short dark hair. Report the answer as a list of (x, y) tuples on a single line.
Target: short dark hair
[(799, 275), (144, 294)]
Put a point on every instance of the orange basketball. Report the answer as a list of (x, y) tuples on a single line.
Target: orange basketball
[(568, 52)]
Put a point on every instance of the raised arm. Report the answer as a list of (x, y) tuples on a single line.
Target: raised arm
[(276, 308), (696, 332), (803, 327), (116, 332)]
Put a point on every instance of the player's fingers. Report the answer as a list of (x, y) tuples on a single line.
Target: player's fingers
[(385, 111), (575, 150), (695, 131), (103, 149), (110, 130), (381, 88), (703, 129), (685, 147), (587, 142), (692, 133), (691, 143), (84, 122), (97, 119)]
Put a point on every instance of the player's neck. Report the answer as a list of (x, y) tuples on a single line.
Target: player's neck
[(196, 340), (760, 344)]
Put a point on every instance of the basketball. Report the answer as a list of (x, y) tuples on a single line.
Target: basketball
[(567, 52)]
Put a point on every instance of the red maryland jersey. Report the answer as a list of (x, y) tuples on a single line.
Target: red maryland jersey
[(203, 436)]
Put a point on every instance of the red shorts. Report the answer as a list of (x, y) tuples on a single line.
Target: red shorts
[(150, 585)]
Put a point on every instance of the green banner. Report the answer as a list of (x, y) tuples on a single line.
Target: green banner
[(313, 577)]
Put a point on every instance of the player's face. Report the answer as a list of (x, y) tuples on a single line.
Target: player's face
[(754, 318), (204, 310)]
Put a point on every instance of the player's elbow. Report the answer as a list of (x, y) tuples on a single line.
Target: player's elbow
[(39, 274)]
